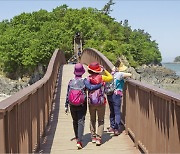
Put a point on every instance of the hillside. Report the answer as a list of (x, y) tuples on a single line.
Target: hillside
[(28, 40)]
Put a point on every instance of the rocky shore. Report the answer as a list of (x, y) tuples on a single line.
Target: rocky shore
[(158, 76), (8, 87), (155, 75)]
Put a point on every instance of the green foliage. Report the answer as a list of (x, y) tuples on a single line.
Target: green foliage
[(107, 7), (29, 39), (177, 59)]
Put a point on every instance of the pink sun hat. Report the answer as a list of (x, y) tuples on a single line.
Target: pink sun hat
[(79, 69)]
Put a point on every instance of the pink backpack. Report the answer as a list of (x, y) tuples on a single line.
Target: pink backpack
[(76, 94), (96, 97)]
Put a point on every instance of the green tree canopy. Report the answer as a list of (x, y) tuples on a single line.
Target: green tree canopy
[(177, 59), (29, 39)]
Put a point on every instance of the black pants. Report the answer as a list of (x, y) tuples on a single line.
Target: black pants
[(78, 114)]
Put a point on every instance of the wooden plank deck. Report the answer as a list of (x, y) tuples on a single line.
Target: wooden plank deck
[(59, 132)]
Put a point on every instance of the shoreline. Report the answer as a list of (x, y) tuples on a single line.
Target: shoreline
[(174, 66), (170, 63)]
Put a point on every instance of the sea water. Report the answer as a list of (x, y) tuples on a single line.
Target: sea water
[(173, 66)]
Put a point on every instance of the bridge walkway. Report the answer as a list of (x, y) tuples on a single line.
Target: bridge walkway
[(59, 132)]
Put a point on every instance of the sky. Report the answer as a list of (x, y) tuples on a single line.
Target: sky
[(160, 18)]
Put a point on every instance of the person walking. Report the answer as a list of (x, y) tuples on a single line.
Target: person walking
[(115, 98), (97, 100), (77, 101)]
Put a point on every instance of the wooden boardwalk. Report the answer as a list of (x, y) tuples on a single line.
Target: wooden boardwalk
[(59, 132)]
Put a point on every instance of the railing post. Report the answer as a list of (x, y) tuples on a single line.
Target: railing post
[(127, 109), (136, 116), (2, 136)]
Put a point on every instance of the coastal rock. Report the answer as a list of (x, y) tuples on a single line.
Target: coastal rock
[(135, 75), (160, 76), (3, 96), (37, 75), (177, 81), (140, 69), (9, 87), (124, 60)]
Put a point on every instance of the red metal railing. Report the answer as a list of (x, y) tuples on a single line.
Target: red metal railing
[(24, 116)]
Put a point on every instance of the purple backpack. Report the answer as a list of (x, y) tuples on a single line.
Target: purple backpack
[(76, 94), (96, 97)]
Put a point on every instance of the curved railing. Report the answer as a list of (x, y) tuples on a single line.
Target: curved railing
[(91, 55), (151, 116), (24, 115)]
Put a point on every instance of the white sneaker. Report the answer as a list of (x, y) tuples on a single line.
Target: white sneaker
[(79, 145), (93, 139), (98, 142)]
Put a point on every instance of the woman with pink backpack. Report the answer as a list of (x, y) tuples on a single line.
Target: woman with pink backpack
[(76, 100), (97, 100)]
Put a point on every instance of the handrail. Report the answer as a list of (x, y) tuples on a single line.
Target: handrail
[(150, 114), (158, 91), (11, 101), (91, 55), (152, 117), (24, 115)]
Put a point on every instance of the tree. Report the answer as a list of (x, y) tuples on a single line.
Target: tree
[(107, 8), (177, 59), (127, 31), (29, 39)]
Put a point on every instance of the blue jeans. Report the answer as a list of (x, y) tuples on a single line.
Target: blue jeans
[(115, 106), (78, 114)]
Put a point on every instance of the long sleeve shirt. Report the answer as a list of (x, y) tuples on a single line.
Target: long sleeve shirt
[(107, 77)]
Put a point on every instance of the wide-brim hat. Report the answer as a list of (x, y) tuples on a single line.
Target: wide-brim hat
[(95, 67), (122, 67), (79, 69)]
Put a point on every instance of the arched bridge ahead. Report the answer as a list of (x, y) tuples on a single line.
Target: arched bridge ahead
[(33, 119)]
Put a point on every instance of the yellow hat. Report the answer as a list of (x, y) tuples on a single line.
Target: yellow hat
[(122, 67)]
